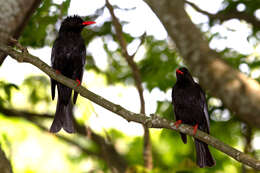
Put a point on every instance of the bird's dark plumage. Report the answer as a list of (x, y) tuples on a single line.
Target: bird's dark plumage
[(68, 58), (190, 107)]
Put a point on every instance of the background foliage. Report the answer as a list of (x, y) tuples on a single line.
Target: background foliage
[(157, 66)]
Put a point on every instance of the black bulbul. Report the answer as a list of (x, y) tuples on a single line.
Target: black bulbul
[(68, 58), (190, 107)]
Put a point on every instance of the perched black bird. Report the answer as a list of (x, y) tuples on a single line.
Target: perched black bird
[(190, 107), (68, 58)]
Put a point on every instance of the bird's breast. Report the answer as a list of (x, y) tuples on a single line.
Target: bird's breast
[(186, 97)]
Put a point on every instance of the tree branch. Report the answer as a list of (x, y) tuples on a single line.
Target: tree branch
[(142, 38), (24, 114), (107, 151), (129, 59), (238, 92), (231, 14), (198, 9), (152, 122), (147, 151)]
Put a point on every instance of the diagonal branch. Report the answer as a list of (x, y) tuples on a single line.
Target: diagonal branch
[(147, 151), (198, 9), (152, 122), (129, 59), (142, 37)]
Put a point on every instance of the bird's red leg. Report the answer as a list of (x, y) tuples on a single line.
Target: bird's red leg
[(78, 82), (57, 71), (177, 123), (195, 128)]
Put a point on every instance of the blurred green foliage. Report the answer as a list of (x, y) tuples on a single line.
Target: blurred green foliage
[(42, 23), (157, 67), (6, 92), (37, 93)]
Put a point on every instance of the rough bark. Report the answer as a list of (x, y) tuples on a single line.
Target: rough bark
[(151, 122), (14, 16), (238, 92)]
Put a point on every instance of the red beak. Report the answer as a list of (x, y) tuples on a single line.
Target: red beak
[(179, 72), (86, 23)]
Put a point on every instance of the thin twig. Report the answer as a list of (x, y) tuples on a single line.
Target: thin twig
[(198, 9), (231, 14), (147, 151), (142, 38)]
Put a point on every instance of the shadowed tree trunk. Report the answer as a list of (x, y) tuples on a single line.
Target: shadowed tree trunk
[(5, 165), (14, 17)]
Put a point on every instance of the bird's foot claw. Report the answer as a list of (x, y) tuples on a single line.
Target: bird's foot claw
[(195, 128), (78, 82), (177, 123)]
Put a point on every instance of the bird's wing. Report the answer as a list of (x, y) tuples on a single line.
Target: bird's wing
[(53, 82), (78, 73), (204, 106), (57, 60), (176, 116), (83, 56), (53, 86), (54, 52), (78, 76), (183, 136)]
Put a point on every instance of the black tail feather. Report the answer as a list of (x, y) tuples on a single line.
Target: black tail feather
[(184, 137), (64, 94), (53, 86), (204, 157), (63, 118), (75, 96), (68, 124)]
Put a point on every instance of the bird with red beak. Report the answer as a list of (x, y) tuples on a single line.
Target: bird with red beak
[(190, 107), (68, 58)]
